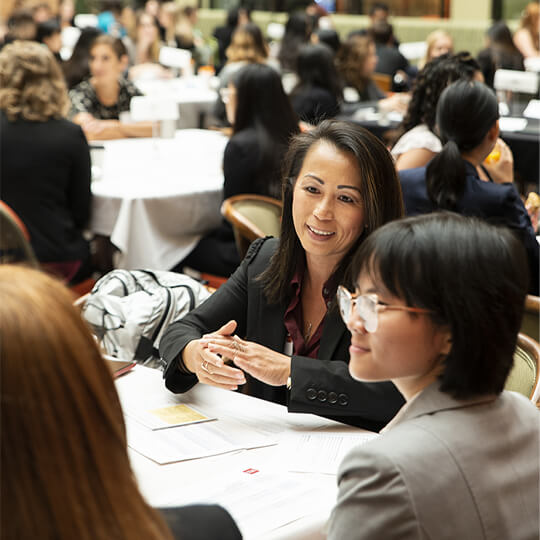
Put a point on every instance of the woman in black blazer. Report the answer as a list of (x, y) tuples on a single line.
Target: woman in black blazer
[(275, 318)]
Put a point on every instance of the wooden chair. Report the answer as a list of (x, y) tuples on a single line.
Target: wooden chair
[(524, 376), (15, 245), (531, 318), (383, 81), (252, 217)]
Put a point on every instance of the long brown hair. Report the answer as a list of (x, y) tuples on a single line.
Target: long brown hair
[(380, 191), (529, 21), (65, 472), (351, 59)]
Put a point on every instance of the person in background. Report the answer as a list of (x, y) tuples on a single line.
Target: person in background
[(147, 44), (416, 321), (169, 15), (45, 165), (419, 141), (236, 17), (526, 37), (378, 13), (66, 13), (110, 19), (297, 33), (468, 123), (247, 46), (500, 52), (389, 60), (438, 42), (356, 63), (96, 103), (327, 36), (48, 33), (63, 446), (263, 122), (42, 12), (77, 67), (318, 94), (276, 318), (20, 25)]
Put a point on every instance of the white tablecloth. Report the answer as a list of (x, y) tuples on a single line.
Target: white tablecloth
[(156, 197), (194, 95), (176, 483)]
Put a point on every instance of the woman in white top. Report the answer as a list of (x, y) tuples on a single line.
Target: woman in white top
[(526, 37), (419, 142)]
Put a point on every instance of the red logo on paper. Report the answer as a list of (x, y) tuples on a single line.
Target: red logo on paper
[(251, 471)]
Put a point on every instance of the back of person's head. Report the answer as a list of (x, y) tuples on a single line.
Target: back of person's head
[(315, 67), (351, 60), (500, 34), (76, 68), (114, 6), (263, 105), (470, 275), (297, 32), (21, 25), (31, 83), (466, 112), (247, 45), (64, 457), (431, 81), (47, 29), (380, 193), (382, 32), (329, 37)]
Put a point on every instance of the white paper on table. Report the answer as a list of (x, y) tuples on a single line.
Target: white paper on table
[(509, 123), (262, 501), (318, 452), (533, 109), (191, 441)]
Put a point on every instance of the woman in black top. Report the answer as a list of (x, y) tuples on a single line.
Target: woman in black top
[(45, 165), (263, 121)]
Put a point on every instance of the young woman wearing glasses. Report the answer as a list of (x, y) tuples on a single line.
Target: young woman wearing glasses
[(437, 310)]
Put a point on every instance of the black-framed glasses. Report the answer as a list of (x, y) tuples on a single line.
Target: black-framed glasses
[(367, 307)]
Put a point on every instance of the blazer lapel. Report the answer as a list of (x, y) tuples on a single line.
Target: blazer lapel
[(333, 331)]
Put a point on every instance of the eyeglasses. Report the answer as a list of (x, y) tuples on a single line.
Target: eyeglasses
[(367, 308), (226, 93)]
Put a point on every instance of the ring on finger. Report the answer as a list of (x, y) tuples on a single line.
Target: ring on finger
[(204, 367)]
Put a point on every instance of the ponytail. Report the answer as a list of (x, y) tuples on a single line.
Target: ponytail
[(445, 177)]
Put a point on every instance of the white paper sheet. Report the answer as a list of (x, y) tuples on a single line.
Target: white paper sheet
[(508, 123), (318, 452), (191, 441), (261, 501), (533, 109)]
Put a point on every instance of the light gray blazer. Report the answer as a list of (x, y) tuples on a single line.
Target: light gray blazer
[(445, 470)]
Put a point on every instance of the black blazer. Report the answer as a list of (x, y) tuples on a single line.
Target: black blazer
[(200, 522), (321, 386)]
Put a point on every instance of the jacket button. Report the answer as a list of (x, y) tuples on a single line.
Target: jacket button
[(343, 399), (321, 396), (332, 397), (311, 393)]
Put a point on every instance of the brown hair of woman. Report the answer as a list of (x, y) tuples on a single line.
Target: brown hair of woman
[(31, 83), (65, 472)]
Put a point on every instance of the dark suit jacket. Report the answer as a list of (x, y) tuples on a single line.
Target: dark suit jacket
[(320, 386), (200, 522), (497, 203), (45, 178)]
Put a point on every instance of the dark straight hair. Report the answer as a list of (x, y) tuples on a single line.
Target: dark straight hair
[(466, 111), (473, 278), (262, 104), (380, 192)]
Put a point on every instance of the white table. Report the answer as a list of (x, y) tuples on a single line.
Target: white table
[(177, 483), (195, 95), (156, 197)]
